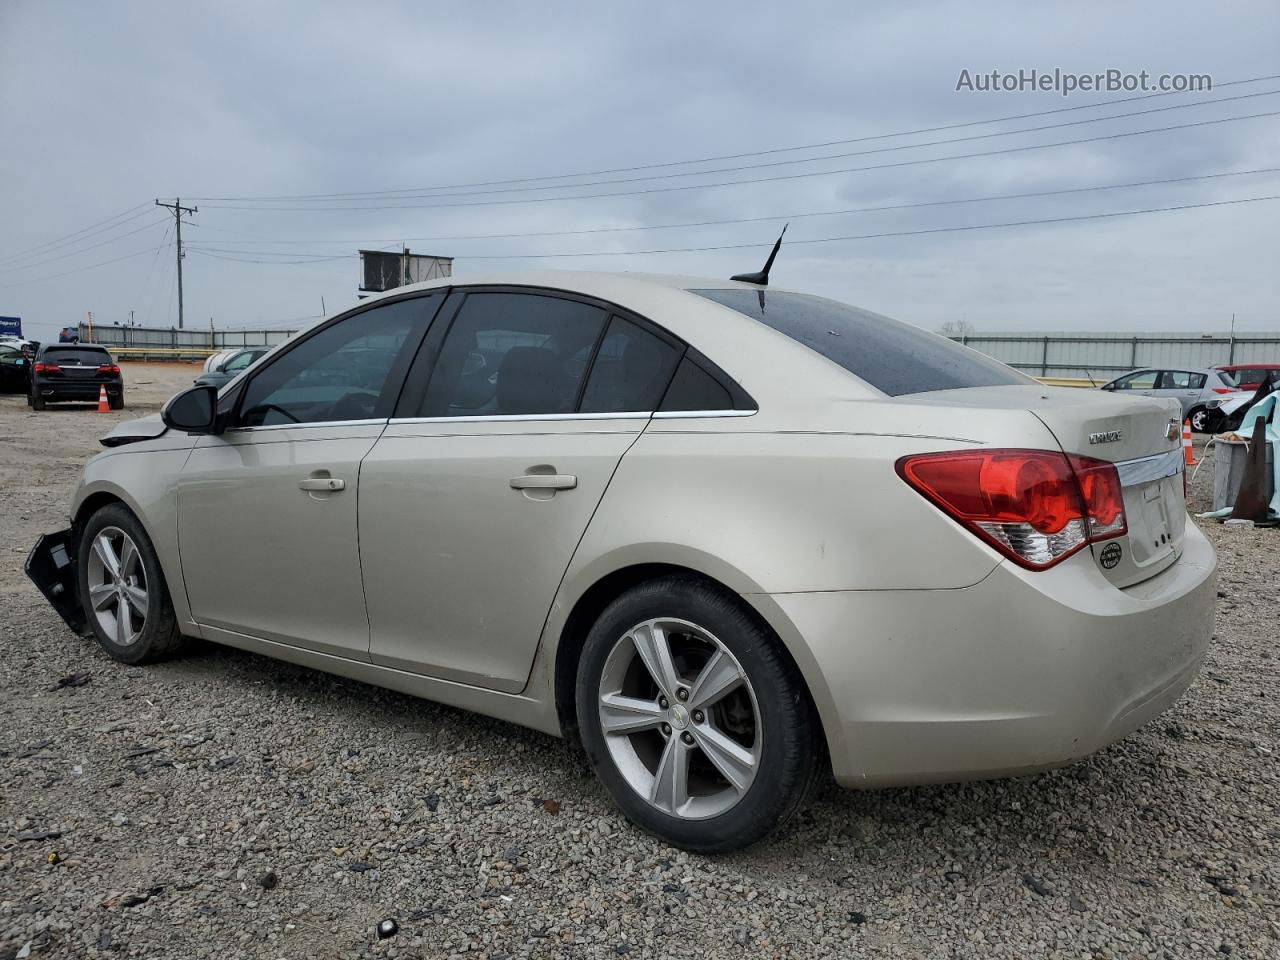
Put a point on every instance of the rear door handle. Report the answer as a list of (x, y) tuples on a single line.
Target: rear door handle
[(325, 484), (544, 481)]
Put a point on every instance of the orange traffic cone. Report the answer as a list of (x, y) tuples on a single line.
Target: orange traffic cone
[(103, 406), (1188, 452)]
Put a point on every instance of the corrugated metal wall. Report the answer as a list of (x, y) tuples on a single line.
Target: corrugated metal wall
[(1104, 355)]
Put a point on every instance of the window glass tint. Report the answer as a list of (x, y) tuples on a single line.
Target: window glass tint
[(336, 374), (630, 371), (513, 353), (693, 388), (893, 357), (1197, 381), (73, 356), (1144, 380)]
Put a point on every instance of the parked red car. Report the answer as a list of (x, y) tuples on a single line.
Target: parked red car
[(1250, 376)]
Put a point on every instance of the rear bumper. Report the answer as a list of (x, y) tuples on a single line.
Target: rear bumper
[(76, 391), (51, 566), (1022, 672)]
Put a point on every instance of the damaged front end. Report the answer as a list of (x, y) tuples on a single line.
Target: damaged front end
[(51, 565)]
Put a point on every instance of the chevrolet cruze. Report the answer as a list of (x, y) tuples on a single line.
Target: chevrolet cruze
[(726, 536)]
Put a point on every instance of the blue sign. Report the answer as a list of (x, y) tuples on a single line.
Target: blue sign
[(11, 325)]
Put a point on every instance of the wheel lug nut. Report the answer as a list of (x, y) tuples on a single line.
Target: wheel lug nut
[(663, 702), (697, 716), (666, 729), (687, 737), (682, 694)]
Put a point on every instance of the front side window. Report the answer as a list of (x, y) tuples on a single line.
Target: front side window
[(895, 358), (334, 375), (512, 354), (1143, 380), (239, 362)]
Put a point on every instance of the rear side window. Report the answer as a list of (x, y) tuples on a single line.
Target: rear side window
[(895, 358), (76, 356), (695, 389), (631, 369)]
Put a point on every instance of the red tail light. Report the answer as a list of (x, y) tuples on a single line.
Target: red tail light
[(1224, 390), (1034, 506), (110, 368), (47, 368)]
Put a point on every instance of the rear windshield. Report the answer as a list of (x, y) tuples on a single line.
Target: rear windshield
[(73, 356), (893, 357)]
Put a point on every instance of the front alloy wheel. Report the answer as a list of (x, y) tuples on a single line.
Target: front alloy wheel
[(117, 586), (680, 718), (122, 588)]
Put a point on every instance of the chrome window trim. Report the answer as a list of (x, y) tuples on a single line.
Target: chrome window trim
[(530, 417), (673, 414), (1145, 469), (308, 424)]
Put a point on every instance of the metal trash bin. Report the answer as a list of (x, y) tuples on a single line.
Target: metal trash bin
[(1229, 459)]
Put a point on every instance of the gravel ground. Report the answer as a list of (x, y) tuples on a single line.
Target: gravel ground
[(227, 805)]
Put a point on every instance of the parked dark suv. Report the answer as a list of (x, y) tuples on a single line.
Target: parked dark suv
[(74, 371)]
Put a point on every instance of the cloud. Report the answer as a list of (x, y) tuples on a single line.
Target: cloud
[(106, 107)]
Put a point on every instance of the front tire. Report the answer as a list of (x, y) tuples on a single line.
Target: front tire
[(122, 589), (694, 719)]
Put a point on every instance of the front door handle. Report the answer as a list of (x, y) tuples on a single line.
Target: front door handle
[(322, 484), (544, 481)]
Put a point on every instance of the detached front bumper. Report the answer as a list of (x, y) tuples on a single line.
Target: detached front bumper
[(1021, 672), (51, 565)]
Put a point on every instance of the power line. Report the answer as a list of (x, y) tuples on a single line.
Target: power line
[(67, 273), (204, 252), (738, 156), (76, 253), (777, 178), (830, 156), (875, 236), (78, 235), (201, 247)]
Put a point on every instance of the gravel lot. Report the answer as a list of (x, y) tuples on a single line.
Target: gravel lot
[(227, 805)]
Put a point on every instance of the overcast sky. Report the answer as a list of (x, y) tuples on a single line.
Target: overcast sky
[(104, 107)]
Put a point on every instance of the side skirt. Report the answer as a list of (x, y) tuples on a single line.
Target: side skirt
[(514, 708)]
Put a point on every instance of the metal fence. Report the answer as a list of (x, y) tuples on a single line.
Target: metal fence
[(174, 338), (1102, 356)]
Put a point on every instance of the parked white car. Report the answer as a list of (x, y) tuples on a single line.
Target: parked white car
[(723, 534)]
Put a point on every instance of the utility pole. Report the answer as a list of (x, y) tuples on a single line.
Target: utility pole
[(178, 210)]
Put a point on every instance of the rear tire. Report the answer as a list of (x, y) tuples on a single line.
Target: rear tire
[(1200, 420), (116, 403), (123, 590), (37, 403), (723, 751)]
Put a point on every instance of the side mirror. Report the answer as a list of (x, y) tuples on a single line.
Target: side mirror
[(192, 411)]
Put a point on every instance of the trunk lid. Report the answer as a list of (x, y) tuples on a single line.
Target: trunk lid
[(1141, 435)]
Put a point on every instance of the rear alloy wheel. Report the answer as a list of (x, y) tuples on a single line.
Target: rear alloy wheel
[(1199, 418), (693, 718), (122, 588)]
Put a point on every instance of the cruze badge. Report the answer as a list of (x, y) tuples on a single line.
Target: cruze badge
[(1106, 436)]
